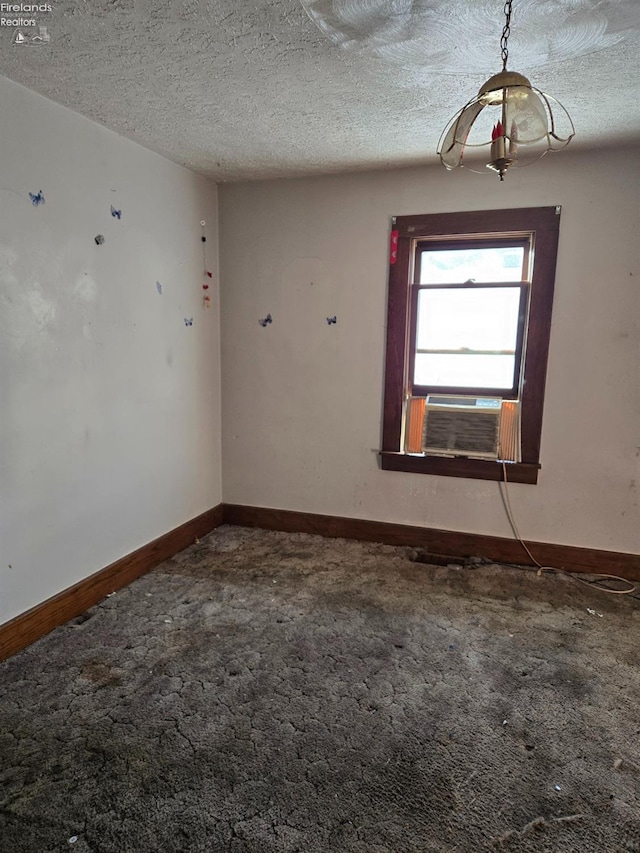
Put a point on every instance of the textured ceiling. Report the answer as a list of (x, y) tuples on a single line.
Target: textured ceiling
[(238, 90)]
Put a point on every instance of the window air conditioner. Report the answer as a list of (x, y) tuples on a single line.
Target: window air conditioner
[(462, 426), (478, 427)]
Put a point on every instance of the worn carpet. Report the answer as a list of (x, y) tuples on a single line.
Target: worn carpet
[(267, 692)]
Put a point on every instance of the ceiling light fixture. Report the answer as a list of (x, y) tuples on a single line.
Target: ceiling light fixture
[(524, 117)]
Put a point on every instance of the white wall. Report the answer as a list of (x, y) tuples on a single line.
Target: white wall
[(302, 400), (109, 404)]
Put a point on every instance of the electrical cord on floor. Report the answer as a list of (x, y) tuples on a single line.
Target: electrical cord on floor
[(597, 579)]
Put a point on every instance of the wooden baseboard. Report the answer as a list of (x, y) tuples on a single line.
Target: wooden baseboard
[(35, 623), (441, 542)]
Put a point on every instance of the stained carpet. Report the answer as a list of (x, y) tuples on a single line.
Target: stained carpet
[(266, 691)]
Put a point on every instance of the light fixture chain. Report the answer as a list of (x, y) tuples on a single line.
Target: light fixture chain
[(506, 32)]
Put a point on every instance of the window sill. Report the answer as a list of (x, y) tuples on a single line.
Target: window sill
[(474, 469)]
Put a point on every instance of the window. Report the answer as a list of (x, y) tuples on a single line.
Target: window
[(470, 308), (468, 323)]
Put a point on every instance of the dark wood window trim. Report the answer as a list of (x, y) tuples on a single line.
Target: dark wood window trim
[(544, 224)]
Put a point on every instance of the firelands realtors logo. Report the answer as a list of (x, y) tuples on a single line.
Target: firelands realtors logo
[(26, 30)]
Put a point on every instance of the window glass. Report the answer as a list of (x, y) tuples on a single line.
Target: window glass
[(467, 337), (456, 266), (465, 371), (479, 318)]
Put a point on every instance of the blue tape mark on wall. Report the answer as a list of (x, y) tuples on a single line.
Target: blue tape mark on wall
[(159, 287), (188, 321), (332, 320), (99, 239), (117, 214), (37, 198), (266, 321)]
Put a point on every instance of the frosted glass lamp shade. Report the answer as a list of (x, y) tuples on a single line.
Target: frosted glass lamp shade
[(507, 114)]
